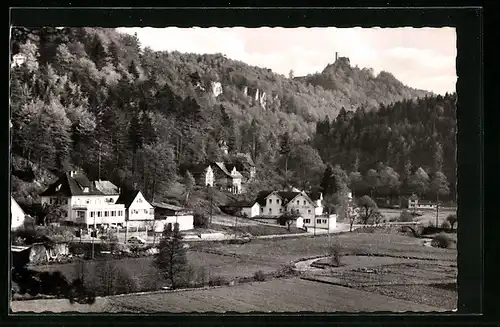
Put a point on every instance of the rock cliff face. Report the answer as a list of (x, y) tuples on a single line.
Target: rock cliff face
[(216, 88)]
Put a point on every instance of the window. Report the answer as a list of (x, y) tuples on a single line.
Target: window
[(270, 201), (139, 200), (309, 211), (304, 202), (99, 213), (105, 213), (151, 211), (88, 201), (113, 213), (307, 221), (120, 213), (281, 210), (91, 214), (278, 201), (297, 211), (270, 210), (318, 221), (261, 210), (80, 214), (85, 189), (324, 221), (298, 202)]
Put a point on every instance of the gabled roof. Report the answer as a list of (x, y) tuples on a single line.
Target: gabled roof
[(106, 187), (241, 204), (247, 158), (287, 196), (413, 197), (127, 197), (71, 186), (261, 197), (314, 195), (163, 205), (223, 168)]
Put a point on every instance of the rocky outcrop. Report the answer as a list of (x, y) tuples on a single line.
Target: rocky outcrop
[(216, 88)]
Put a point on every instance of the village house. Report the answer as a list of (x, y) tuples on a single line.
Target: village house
[(217, 174), (247, 209), (138, 211), (414, 203), (276, 203), (231, 174), (17, 215), (165, 214), (86, 205)]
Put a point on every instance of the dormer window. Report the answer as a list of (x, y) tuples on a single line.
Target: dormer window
[(58, 187), (85, 190)]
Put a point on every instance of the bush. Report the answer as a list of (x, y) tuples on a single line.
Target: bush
[(286, 270), (441, 241), (259, 276), (445, 225), (217, 281), (405, 217), (200, 220), (335, 252)]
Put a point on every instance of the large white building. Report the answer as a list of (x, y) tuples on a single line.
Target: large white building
[(87, 203)]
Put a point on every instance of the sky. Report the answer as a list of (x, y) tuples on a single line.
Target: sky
[(423, 58)]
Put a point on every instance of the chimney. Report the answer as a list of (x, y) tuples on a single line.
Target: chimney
[(336, 56)]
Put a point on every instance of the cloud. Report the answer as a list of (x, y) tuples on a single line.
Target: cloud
[(419, 57)]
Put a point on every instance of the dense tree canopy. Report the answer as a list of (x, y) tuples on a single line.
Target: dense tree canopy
[(91, 98)]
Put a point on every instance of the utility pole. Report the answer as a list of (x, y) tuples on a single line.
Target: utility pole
[(99, 165), (437, 210), (314, 225), (94, 233), (211, 205)]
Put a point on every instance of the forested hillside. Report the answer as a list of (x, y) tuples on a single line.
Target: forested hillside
[(91, 98)]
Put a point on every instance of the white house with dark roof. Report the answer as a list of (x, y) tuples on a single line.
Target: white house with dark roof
[(171, 214), (138, 211), (86, 204)]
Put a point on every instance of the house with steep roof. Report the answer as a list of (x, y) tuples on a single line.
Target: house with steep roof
[(17, 215), (276, 203), (138, 211), (87, 203)]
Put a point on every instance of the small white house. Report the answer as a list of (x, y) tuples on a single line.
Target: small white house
[(251, 210), (170, 214), (321, 223), (138, 211), (16, 214)]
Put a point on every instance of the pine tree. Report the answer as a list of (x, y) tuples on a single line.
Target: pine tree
[(171, 260)]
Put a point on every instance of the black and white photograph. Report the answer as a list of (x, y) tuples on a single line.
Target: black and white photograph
[(233, 169)]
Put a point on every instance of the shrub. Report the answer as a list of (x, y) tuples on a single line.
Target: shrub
[(200, 220), (335, 252), (405, 216), (430, 224), (217, 281), (259, 276), (286, 270), (445, 225), (441, 241)]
